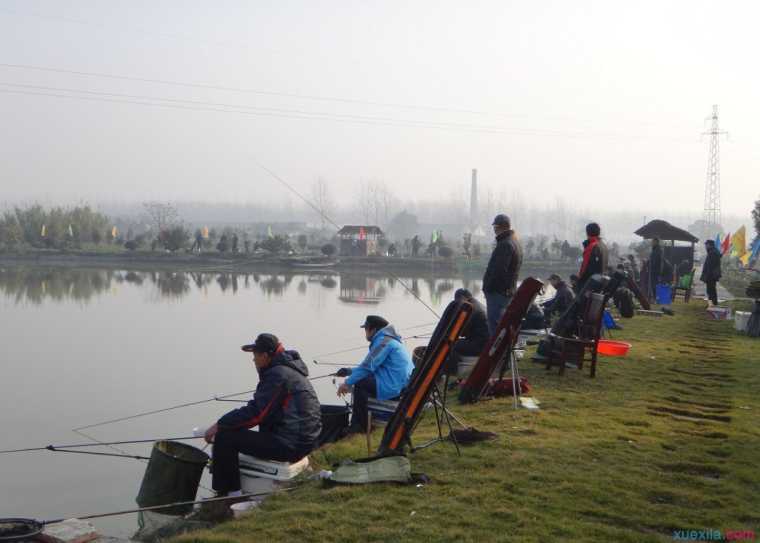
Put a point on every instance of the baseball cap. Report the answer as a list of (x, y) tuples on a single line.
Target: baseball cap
[(374, 322), (501, 220), (264, 343)]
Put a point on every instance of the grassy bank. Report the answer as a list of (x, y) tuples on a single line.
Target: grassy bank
[(665, 439)]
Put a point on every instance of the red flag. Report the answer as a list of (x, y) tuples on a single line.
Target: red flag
[(362, 233), (726, 244)]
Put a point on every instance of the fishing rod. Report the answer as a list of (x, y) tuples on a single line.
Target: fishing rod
[(99, 444), (343, 351), (337, 226), (162, 410), (168, 505)]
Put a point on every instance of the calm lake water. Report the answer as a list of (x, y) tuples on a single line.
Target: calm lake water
[(80, 346)]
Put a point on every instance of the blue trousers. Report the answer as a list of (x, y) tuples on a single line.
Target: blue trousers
[(496, 304)]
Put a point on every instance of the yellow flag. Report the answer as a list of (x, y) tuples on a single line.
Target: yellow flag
[(43, 233), (739, 243), (745, 258), (114, 232)]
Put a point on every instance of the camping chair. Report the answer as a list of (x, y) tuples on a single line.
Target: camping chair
[(585, 340), (684, 285)]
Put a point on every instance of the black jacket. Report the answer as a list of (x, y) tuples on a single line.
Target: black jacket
[(561, 301), (504, 265), (711, 267), (655, 265), (477, 326), (597, 262), (284, 404)]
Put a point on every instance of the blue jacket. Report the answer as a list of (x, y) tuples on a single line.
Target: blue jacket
[(388, 361)]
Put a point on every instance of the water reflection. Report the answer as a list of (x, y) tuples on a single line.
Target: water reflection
[(35, 285)]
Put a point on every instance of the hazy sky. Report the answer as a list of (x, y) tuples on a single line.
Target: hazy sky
[(602, 101)]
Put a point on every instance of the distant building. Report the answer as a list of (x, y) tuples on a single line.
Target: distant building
[(359, 240)]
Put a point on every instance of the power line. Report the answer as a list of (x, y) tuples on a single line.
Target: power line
[(194, 105), (239, 107), (248, 90), (281, 94)]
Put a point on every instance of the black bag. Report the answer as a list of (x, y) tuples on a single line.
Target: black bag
[(623, 299)]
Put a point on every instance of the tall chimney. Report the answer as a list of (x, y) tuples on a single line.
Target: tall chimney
[(474, 200)]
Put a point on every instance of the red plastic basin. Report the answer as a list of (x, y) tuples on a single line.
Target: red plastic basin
[(608, 347)]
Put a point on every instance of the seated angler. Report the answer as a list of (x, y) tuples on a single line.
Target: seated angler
[(284, 407), (473, 338), (563, 297), (383, 373)]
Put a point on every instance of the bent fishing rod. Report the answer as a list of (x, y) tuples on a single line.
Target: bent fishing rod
[(337, 227)]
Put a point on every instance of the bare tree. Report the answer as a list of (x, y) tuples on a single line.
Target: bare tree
[(161, 215), (320, 192)]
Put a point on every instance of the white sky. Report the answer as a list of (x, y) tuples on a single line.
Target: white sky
[(603, 101)]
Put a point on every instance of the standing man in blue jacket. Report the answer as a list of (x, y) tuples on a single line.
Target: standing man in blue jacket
[(284, 407), (382, 374)]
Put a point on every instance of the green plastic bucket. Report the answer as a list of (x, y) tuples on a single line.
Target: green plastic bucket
[(173, 474)]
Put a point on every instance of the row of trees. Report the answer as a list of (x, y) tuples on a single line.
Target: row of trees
[(57, 227)]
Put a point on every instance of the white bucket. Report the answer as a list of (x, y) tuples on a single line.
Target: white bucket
[(241, 508), (741, 320)]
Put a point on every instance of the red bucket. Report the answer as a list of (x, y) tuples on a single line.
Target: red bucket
[(608, 347)]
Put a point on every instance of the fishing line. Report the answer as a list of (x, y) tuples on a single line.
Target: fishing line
[(318, 363), (163, 410)]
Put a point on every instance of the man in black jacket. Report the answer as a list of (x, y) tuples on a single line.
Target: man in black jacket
[(563, 297), (711, 272), (284, 407), (594, 255), (500, 279), (655, 267)]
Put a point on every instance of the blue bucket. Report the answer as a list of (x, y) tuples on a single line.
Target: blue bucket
[(608, 321), (664, 294)]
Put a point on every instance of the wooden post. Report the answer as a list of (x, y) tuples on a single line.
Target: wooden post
[(369, 430)]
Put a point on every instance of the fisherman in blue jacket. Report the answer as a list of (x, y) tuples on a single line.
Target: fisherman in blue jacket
[(284, 407), (383, 373)]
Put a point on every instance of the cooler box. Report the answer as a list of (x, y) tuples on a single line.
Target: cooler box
[(741, 320), (262, 476)]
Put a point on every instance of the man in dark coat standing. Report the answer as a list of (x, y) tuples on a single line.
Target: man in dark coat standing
[(594, 255), (500, 279), (655, 267), (284, 407), (711, 272)]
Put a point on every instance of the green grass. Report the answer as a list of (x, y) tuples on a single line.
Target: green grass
[(667, 438)]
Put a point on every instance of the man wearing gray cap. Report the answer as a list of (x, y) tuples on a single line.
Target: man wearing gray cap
[(500, 279), (382, 374)]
